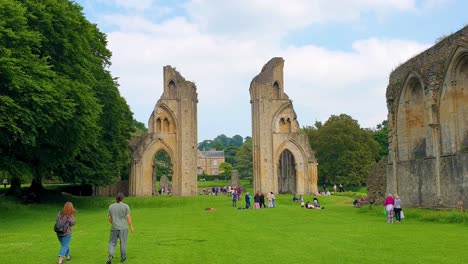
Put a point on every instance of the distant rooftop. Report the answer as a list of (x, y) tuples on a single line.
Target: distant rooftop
[(213, 154)]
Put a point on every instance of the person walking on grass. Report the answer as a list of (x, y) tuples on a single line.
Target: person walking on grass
[(257, 200), (65, 219), (389, 204), (247, 200), (273, 198), (262, 200), (120, 219), (234, 198), (397, 208), (270, 199)]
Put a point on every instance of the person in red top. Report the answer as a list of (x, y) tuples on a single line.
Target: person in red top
[(389, 202)]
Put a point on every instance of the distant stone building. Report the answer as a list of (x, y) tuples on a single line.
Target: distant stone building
[(283, 161), (427, 100), (208, 162)]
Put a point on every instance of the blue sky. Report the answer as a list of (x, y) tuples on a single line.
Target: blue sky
[(338, 53)]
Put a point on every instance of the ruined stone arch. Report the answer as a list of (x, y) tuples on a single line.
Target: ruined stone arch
[(143, 166), (284, 120), (275, 130), (172, 128), (285, 167), (453, 105), (165, 120), (437, 179), (411, 120)]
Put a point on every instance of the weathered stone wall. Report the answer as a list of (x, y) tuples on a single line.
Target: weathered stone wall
[(172, 127), (377, 183), (235, 181), (427, 99), (275, 130), (111, 190)]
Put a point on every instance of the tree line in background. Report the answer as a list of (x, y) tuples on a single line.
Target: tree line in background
[(62, 116), (345, 151), (61, 113), (237, 154)]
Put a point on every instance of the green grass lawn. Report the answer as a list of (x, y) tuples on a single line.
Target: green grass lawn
[(179, 230)]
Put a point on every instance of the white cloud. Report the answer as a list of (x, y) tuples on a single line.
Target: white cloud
[(223, 45), (139, 5), (262, 18), (328, 82)]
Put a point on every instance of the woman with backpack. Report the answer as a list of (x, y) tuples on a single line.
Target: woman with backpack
[(63, 227)]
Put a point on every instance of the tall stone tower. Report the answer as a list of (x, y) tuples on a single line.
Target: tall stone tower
[(172, 127), (283, 161)]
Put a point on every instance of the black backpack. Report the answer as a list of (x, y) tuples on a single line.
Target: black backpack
[(61, 224)]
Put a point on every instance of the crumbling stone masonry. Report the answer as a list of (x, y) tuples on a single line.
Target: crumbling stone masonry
[(172, 127), (427, 100), (283, 161)]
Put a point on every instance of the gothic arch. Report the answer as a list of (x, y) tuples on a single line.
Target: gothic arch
[(294, 168), (453, 104), (284, 120), (411, 123), (172, 89), (142, 167), (276, 91), (165, 121), (172, 128)]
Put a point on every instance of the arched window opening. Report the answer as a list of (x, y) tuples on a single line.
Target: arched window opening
[(162, 173), (276, 91), (158, 125), (172, 90), (454, 109), (286, 173), (285, 125), (411, 124), (165, 125)]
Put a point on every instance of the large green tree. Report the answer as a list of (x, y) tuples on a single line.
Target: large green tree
[(380, 134), (345, 151), (244, 163), (61, 111)]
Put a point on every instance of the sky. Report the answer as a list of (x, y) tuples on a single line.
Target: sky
[(338, 53)]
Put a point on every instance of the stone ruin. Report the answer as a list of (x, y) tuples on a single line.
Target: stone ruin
[(427, 101), (235, 182), (164, 182), (283, 161), (377, 183)]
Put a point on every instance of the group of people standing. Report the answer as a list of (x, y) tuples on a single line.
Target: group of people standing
[(393, 205), (259, 200), (119, 218)]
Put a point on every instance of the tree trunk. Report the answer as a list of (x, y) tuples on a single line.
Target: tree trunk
[(15, 187), (36, 190)]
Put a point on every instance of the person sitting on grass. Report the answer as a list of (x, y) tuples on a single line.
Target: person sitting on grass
[(315, 205), (295, 198), (356, 202), (363, 200)]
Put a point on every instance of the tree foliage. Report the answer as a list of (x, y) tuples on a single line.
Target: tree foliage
[(381, 136), (223, 142), (60, 109), (139, 127), (162, 164), (345, 152), (244, 162), (225, 168)]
